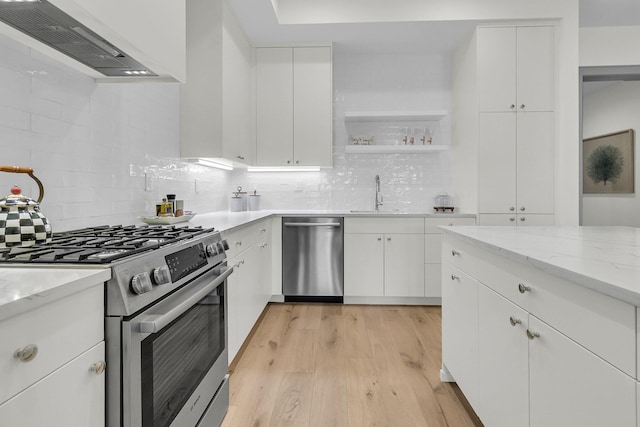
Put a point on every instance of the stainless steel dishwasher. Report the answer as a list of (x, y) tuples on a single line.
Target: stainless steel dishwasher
[(312, 259)]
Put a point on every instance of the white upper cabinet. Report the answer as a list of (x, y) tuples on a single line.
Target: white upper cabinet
[(516, 68), (216, 100), (274, 105), (151, 32), (294, 106)]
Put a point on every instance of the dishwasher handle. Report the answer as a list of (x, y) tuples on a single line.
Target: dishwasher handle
[(312, 224)]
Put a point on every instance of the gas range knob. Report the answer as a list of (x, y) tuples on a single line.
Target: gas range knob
[(141, 283), (161, 275), (212, 249)]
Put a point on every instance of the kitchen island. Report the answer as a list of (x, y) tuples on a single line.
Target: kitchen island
[(540, 324)]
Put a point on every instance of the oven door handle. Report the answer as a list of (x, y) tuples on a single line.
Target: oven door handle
[(156, 322)]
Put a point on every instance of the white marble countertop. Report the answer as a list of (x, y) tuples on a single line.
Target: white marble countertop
[(225, 220), (605, 259), (25, 288)]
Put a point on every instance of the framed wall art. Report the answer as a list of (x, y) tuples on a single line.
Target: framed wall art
[(608, 163)]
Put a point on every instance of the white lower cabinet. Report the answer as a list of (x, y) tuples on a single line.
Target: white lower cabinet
[(432, 249), (71, 396), (518, 370), (249, 286), (460, 329), (503, 356), (363, 265), (384, 257), (403, 272), (52, 363), (570, 386)]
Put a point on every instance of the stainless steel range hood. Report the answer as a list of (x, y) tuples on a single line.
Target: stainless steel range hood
[(50, 25)]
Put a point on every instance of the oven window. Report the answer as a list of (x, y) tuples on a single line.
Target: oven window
[(175, 360)]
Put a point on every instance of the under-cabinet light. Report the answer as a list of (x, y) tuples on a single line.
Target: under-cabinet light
[(282, 169), (212, 164)]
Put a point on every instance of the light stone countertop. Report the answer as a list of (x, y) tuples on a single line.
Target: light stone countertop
[(25, 288), (225, 220), (605, 259)]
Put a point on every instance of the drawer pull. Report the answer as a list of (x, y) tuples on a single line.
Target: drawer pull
[(454, 252), (523, 288), (532, 335), (26, 353), (239, 243), (264, 230), (98, 367), (263, 245), (454, 277), (237, 265), (514, 321)]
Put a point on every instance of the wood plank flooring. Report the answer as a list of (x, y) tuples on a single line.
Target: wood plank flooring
[(324, 365)]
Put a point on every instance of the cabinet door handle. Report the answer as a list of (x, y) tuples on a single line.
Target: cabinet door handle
[(512, 208), (288, 161), (523, 288), (454, 277), (522, 106), (26, 353), (532, 335), (297, 162), (98, 367), (239, 243), (264, 245), (240, 157), (454, 252), (514, 321), (512, 106), (264, 230), (388, 239), (379, 238), (522, 208), (512, 219), (522, 218)]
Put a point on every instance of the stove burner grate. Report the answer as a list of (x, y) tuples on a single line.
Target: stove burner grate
[(100, 245)]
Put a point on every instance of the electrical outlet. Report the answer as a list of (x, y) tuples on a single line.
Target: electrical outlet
[(147, 182)]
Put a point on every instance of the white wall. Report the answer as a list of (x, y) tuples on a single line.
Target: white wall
[(91, 144), (612, 108), (609, 46), (371, 82)]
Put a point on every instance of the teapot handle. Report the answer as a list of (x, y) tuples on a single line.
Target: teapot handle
[(28, 171)]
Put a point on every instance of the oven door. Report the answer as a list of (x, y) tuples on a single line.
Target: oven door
[(174, 355)]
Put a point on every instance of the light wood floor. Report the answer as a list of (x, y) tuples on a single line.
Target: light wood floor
[(344, 365)]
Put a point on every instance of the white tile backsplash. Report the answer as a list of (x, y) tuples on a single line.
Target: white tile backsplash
[(91, 144)]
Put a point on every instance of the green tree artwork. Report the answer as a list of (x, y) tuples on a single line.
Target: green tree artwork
[(605, 164)]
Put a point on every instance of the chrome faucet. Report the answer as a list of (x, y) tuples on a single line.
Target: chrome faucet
[(378, 194)]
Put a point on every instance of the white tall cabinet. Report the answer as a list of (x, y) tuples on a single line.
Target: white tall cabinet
[(294, 106), (511, 70)]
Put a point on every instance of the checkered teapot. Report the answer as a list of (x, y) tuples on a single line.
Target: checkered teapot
[(21, 222)]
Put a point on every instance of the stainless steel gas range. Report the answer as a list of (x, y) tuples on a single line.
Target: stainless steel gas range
[(165, 326)]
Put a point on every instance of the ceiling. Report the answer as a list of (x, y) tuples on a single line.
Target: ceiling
[(258, 19)]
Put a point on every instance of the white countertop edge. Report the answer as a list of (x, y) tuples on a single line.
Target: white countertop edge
[(26, 288), (604, 287), (225, 221)]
